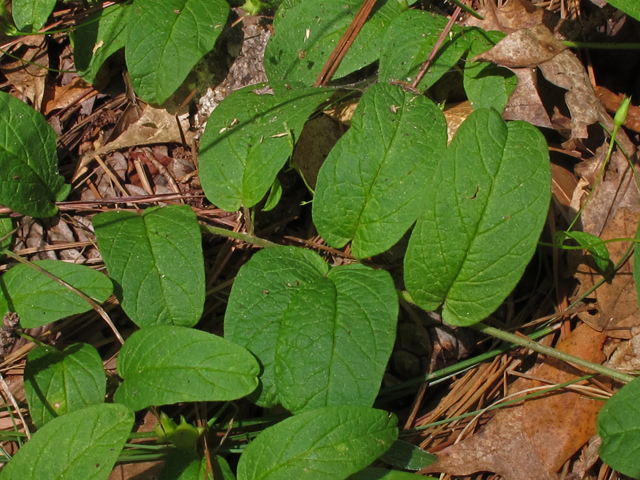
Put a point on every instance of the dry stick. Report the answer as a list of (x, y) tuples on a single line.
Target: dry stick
[(436, 47), (9, 396), (333, 62), (85, 297)]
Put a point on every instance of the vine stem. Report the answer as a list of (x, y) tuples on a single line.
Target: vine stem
[(552, 352), (245, 237)]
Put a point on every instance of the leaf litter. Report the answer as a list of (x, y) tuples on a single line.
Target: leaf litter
[(533, 440)]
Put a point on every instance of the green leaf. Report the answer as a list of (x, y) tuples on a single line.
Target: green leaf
[(382, 474), (29, 179), (408, 43), (630, 7), (166, 38), (31, 15), (247, 141), (6, 226), (98, 37), (221, 469), (592, 244), (309, 32), (163, 365), (323, 336), (619, 427), (184, 465), (483, 215), (487, 85), (407, 456), (325, 444), (39, 300), (57, 383), (370, 188), (275, 194), (155, 261), (82, 445)]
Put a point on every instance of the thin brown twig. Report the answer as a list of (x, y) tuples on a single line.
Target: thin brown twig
[(333, 62), (436, 47)]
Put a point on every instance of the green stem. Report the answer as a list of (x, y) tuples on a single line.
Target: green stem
[(245, 237), (603, 46), (552, 352)]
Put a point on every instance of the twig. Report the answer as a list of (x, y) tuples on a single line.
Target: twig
[(333, 62), (436, 47), (82, 295)]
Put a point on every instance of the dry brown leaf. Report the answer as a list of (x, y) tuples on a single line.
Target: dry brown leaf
[(525, 102), (455, 116), (612, 212), (525, 48), (511, 16), (612, 104), (156, 125), (69, 94), (533, 440), (29, 79)]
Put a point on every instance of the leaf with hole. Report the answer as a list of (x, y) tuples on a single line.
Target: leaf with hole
[(309, 32), (323, 336), (57, 383), (163, 365), (38, 299), (98, 37), (31, 15), (408, 42), (166, 38), (486, 84), (29, 179), (484, 212), (370, 187), (155, 261), (82, 445), (619, 427), (248, 139), (325, 444)]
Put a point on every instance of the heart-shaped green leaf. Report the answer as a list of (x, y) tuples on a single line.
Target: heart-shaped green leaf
[(168, 364), (39, 300), (407, 456), (371, 186), (408, 42), (184, 465), (619, 427), (82, 445), (29, 180), (57, 383), (156, 262), (166, 38), (248, 139), (98, 37), (31, 15), (309, 32), (326, 444), (487, 85), (483, 214), (323, 336)]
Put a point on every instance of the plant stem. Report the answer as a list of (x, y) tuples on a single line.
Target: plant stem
[(245, 237), (552, 352), (603, 46)]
